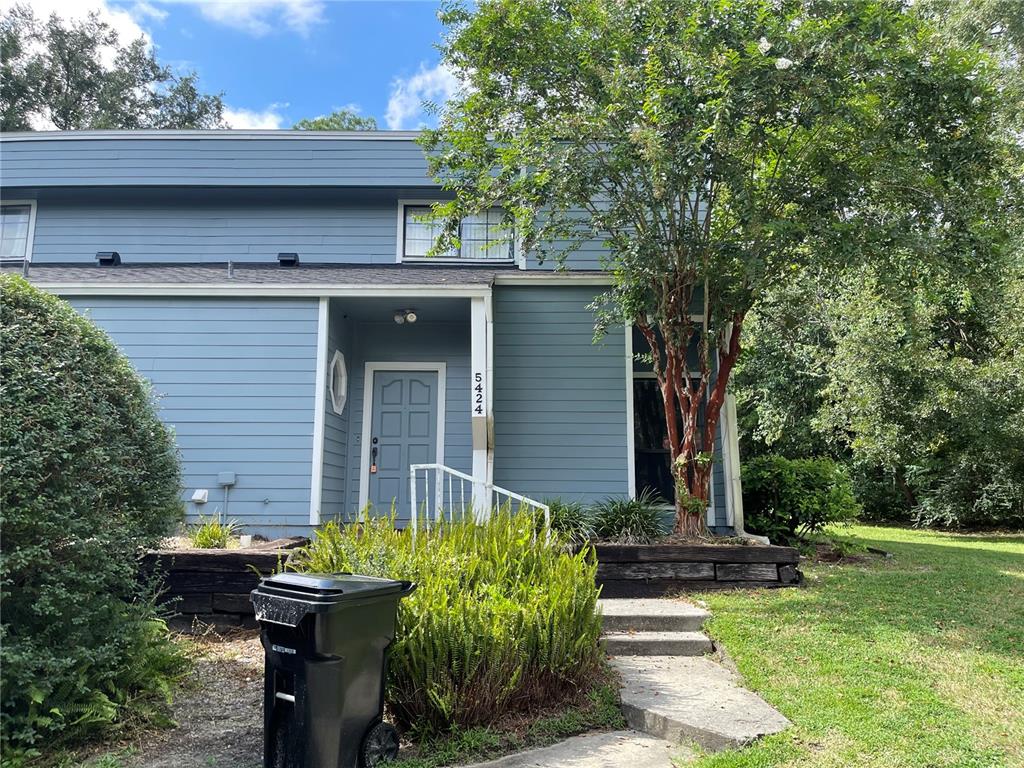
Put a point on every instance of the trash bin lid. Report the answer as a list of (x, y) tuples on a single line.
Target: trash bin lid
[(329, 587)]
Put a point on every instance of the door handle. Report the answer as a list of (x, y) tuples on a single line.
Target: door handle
[(373, 457)]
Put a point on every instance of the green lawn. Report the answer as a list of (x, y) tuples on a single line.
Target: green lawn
[(916, 661)]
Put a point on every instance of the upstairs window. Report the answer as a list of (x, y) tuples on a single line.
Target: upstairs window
[(16, 231), (484, 236)]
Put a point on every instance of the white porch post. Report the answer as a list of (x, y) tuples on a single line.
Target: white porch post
[(316, 483), (731, 464), (479, 402)]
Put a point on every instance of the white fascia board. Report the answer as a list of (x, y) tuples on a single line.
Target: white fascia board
[(221, 289), (550, 278)]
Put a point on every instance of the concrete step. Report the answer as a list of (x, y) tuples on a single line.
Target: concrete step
[(651, 615), (656, 643), (683, 699)]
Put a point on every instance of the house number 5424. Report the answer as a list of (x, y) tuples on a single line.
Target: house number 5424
[(478, 394)]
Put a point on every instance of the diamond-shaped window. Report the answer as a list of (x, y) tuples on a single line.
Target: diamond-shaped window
[(337, 382)]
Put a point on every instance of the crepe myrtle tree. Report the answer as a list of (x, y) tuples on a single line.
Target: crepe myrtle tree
[(718, 148)]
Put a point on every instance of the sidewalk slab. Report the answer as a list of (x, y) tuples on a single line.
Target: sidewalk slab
[(617, 749), (683, 699)]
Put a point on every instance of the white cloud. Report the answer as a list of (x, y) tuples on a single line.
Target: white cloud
[(269, 118), (405, 106), (146, 10), (260, 17), (124, 21)]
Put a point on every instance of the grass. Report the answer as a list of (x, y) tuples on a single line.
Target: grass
[(597, 710), (911, 662)]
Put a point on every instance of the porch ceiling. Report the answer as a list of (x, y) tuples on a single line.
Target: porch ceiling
[(380, 310)]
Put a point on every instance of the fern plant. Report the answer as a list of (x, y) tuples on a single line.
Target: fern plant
[(503, 619)]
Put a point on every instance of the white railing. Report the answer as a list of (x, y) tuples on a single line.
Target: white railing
[(446, 490)]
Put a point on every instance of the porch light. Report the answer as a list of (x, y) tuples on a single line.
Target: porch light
[(403, 316), (108, 258), (288, 259)]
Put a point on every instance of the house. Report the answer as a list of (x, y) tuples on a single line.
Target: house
[(273, 287)]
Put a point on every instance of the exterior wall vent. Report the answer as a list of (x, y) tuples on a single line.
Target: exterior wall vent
[(288, 259), (108, 258)]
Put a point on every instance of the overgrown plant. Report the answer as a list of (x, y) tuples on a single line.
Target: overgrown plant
[(90, 479), (503, 619), (630, 521), (212, 533)]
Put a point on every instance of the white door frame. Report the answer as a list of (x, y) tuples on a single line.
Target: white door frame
[(368, 373)]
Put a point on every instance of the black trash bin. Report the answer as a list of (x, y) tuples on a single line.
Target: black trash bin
[(325, 638)]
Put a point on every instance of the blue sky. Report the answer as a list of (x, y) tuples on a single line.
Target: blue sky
[(278, 61)]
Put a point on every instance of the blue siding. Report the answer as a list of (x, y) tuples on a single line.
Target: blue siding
[(236, 381), (236, 161), (422, 342), (188, 233), (559, 400)]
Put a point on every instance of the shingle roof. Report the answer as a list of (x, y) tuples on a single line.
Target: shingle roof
[(263, 274)]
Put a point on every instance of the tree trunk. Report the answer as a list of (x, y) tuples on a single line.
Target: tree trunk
[(691, 468)]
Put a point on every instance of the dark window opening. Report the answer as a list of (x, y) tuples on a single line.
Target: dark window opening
[(652, 457)]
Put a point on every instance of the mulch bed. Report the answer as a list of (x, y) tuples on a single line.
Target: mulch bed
[(218, 710)]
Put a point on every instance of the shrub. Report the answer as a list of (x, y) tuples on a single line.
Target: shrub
[(212, 533), (90, 477), (573, 522), (502, 620), (790, 499), (630, 521)]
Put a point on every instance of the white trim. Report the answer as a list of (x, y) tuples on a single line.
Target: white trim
[(219, 133), (489, 312), (265, 290), (459, 260), (733, 478), (319, 414), (630, 416), (652, 375), (30, 238), (400, 256), (723, 437), (549, 277), (349, 290), (368, 372), (479, 421)]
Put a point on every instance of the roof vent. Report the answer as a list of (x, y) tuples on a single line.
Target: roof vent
[(288, 259), (108, 258)]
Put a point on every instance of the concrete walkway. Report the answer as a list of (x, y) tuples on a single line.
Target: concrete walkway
[(673, 695), (618, 749), (670, 689)]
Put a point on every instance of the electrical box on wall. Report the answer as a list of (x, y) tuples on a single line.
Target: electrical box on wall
[(226, 478)]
